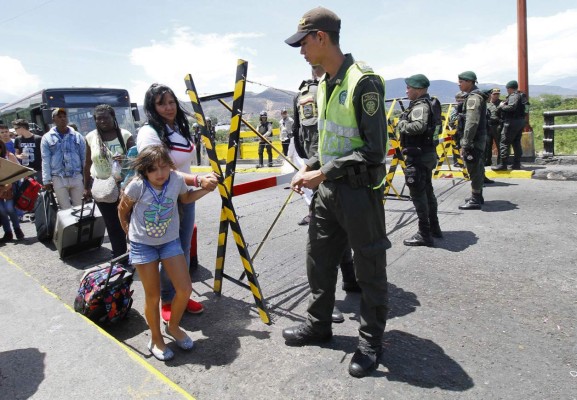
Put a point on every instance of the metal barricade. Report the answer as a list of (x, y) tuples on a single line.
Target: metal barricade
[(550, 127)]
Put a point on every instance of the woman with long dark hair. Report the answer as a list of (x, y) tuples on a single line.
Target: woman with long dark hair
[(106, 144), (168, 125), (7, 210)]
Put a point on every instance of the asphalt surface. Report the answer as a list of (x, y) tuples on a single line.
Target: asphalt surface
[(489, 312)]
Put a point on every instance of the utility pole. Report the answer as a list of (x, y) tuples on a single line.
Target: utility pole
[(527, 140)]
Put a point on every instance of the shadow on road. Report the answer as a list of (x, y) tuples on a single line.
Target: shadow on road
[(21, 373), (456, 241), (421, 362), (499, 206)]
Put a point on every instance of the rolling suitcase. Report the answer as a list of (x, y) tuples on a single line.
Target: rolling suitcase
[(78, 229)]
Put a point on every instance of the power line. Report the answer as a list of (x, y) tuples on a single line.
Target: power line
[(271, 87), (25, 12)]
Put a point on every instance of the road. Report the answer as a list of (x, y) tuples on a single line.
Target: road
[(489, 312)]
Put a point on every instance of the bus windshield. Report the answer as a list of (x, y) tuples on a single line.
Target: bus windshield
[(79, 103)]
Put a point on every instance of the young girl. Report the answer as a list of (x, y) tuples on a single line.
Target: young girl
[(148, 214)]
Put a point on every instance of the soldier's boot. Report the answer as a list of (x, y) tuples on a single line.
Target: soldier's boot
[(501, 166), (422, 237), (348, 270), (481, 196), (435, 227), (488, 181), (473, 203)]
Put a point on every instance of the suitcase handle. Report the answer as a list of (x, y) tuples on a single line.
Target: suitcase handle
[(112, 262), (75, 212)]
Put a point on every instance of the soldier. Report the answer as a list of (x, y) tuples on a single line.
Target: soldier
[(494, 133), (513, 111), (474, 137), (417, 130), (265, 129), (197, 138), (348, 206), (456, 122)]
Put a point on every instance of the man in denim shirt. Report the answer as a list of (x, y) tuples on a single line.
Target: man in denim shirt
[(63, 154)]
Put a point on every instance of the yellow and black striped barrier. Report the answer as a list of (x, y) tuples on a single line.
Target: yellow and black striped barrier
[(395, 151), (228, 215)]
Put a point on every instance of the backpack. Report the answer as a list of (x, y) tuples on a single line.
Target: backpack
[(104, 295), (45, 212), (435, 123), (27, 194)]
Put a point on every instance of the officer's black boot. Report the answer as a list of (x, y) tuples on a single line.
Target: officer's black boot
[(488, 181), (502, 166), (473, 203), (337, 316), (422, 237), (480, 194), (364, 361), (348, 270)]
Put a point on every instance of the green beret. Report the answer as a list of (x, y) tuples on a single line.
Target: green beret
[(418, 81), (468, 76), (512, 85)]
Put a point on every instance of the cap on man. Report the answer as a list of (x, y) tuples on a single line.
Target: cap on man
[(418, 81), (57, 111), (317, 19), (512, 85), (468, 76)]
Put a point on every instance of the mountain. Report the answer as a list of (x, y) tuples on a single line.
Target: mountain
[(569, 82)]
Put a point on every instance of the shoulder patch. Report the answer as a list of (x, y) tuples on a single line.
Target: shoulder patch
[(370, 103), (417, 114), (471, 103), (364, 67)]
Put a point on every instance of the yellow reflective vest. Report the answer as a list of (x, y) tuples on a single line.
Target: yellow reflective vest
[(338, 130)]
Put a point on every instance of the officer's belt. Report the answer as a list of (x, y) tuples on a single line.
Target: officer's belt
[(359, 175)]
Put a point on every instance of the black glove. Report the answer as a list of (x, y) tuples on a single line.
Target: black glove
[(469, 154)]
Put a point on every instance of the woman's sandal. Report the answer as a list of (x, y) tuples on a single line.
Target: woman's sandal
[(165, 355), (184, 344)]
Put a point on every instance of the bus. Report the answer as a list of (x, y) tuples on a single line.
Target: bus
[(78, 102)]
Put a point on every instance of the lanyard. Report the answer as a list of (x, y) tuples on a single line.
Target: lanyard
[(159, 199)]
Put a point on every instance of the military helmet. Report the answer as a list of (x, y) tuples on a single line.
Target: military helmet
[(263, 114), (195, 125)]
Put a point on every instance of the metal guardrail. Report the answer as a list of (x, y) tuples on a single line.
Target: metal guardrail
[(549, 129)]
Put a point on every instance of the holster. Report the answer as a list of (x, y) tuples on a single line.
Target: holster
[(360, 175)]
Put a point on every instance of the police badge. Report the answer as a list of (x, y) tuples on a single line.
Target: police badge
[(370, 103)]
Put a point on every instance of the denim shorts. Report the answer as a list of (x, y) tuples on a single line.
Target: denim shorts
[(143, 253)]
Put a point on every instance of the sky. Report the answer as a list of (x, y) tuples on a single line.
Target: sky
[(131, 44)]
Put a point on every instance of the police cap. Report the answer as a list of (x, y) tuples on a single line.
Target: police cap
[(317, 19), (512, 85), (468, 76), (418, 81)]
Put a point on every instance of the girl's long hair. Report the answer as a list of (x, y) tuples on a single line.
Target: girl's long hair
[(156, 121)]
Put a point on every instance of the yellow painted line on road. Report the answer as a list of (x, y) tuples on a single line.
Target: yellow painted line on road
[(240, 168), (163, 378), (489, 173)]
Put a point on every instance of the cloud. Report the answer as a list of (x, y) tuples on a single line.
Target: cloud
[(210, 58), (14, 80), (551, 50)]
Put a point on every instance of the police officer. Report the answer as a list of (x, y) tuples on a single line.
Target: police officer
[(417, 131), (305, 132), (494, 133), (474, 137), (513, 111), (265, 129), (347, 209), (457, 122), (197, 138)]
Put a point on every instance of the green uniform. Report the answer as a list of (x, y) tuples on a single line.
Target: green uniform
[(494, 133), (346, 208), (416, 133), (513, 111), (474, 136)]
